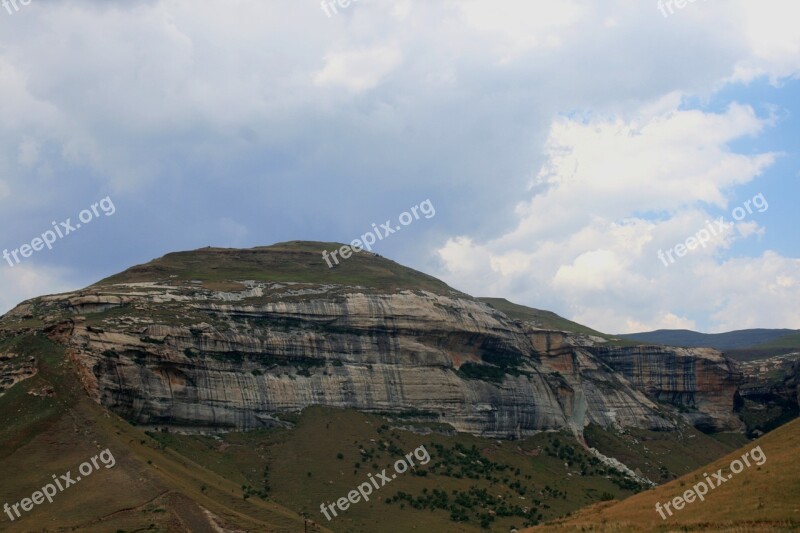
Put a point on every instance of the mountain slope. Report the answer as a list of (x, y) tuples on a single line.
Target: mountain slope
[(787, 342), (759, 498)]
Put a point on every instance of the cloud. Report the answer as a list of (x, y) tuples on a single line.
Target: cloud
[(612, 193), (770, 30), (520, 25), (23, 282), (262, 122), (358, 70), (234, 232)]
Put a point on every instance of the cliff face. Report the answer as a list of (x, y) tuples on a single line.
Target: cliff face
[(220, 355), (392, 353), (770, 393), (592, 392), (699, 381)]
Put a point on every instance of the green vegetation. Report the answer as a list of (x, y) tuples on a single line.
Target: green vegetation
[(754, 354), (470, 370), (474, 482), (23, 410), (788, 342), (527, 499), (295, 261), (662, 455), (764, 416), (494, 367)]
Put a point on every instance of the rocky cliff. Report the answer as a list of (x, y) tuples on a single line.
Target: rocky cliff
[(223, 339), (700, 382)]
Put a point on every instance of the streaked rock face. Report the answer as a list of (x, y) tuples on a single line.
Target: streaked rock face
[(592, 392), (699, 380), (191, 357)]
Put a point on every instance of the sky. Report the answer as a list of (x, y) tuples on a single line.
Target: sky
[(579, 154)]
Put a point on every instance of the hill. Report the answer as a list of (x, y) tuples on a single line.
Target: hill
[(786, 342), (293, 261), (746, 338), (762, 497)]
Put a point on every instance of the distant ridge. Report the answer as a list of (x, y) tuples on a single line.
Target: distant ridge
[(740, 339)]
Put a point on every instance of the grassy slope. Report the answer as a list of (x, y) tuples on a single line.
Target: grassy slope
[(296, 261), (548, 319), (787, 342), (755, 354), (304, 471), (761, 498), (663, 456)]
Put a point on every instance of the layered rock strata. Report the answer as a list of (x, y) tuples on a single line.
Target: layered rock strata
[(183, 355)]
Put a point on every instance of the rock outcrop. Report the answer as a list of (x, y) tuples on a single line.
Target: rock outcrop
[(700, 382), (209, 355)]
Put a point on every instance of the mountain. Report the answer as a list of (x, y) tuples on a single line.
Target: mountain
[(174, 343), (239, 389), (732, 340)]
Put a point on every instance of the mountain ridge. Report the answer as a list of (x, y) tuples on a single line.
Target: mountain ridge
[(755, 338)]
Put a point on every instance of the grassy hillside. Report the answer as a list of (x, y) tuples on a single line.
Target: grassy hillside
[(790, 342), (752, 354), (470, 484), (549, 320), (662, 456), (760, 498), (295, 261)]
